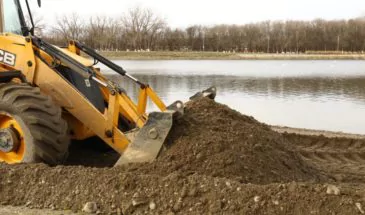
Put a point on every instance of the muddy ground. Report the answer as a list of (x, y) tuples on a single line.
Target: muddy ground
[(217, 161)]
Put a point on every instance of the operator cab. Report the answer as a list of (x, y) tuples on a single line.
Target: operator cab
[(12, 19)]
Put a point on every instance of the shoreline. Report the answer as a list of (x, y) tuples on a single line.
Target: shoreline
[(313, 132), (172, 55)]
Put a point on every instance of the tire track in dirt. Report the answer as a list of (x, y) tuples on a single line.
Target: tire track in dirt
[(342, 158)]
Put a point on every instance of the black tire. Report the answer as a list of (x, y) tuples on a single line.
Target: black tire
[(45, 132)]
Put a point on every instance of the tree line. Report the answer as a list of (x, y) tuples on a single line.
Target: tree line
[(141, 29)]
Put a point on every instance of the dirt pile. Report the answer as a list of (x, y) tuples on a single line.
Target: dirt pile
[(218, 161), (214, 140)]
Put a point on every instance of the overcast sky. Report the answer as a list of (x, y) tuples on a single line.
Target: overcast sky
[(181, 13)]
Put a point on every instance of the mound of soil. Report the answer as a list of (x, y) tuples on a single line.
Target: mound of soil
[(212, 139)]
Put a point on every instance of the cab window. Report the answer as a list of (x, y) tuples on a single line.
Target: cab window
[(11, 17)]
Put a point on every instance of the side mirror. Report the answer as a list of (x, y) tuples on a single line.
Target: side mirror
[(39, 3)]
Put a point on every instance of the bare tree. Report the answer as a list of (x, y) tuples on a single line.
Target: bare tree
[(142, 26), (69, 27), (39, 25)]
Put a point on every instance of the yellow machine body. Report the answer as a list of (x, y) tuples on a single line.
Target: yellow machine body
[(83, 118)]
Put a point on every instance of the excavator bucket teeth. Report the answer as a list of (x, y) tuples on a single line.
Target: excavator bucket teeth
[(211, 92), (148, 140), (177, 107)]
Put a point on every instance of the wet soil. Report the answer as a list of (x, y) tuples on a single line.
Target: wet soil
[(216, 161)]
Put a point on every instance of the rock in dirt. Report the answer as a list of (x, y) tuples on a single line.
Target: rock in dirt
[(90, 207), (275, 202), (359, 207), (333, 190), (138, 202), (152, 205)]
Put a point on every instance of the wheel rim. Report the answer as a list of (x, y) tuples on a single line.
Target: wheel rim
[(17, 154)]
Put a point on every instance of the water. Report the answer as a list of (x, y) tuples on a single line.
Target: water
[(326, 95)]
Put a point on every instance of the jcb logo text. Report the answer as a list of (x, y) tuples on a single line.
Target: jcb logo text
[(7, 58)]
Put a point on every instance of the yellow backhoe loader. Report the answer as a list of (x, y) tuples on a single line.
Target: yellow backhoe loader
[(50, 95)]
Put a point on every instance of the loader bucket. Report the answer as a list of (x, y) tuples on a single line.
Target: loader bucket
[(147, 142)]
